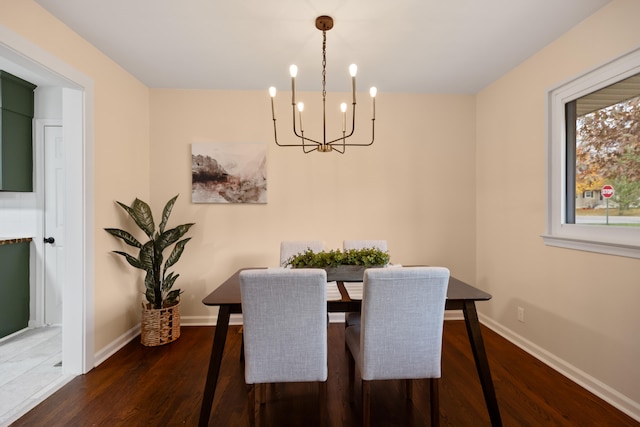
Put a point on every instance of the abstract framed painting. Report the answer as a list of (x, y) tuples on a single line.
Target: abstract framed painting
[(228, 172)]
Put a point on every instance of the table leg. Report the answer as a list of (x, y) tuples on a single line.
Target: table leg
[(482, 363), (219, 340)]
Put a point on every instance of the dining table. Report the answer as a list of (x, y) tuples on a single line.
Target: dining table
[(347, 298)]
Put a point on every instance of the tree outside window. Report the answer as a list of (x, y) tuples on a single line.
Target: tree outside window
[(607, 151)]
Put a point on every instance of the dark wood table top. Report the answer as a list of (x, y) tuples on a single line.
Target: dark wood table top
[(228, 293)]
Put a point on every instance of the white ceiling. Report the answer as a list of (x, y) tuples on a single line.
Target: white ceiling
[(415, 46)]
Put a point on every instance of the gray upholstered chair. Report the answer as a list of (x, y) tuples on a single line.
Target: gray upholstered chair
[(354, 318), (289, 248), (400, 335), (276, 349)]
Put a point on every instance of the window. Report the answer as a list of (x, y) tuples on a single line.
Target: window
[(593, 146)]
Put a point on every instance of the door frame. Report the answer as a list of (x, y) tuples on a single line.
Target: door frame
[(29, 59)]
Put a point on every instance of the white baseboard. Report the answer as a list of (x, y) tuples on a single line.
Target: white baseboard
[(116, 345), (453, 315), (235, 319), (595, 386)]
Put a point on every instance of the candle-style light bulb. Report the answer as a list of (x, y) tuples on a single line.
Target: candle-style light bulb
[(353, 69), (293, 70), (300, 109), (272, 93), (343, 108), (373, 92)]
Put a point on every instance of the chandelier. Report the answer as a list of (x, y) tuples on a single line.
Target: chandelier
[(324, 24)]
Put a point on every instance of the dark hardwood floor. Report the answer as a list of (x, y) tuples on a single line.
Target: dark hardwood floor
[(163, 386)]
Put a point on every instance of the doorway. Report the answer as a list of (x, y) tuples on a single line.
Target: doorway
[(24, 59)]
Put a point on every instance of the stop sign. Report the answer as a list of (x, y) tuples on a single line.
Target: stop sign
[(607, 191)]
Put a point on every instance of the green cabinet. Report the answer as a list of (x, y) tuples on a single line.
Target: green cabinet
[(16, 134), (14, 285)]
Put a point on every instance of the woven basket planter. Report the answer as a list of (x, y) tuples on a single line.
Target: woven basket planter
[(160, 326)]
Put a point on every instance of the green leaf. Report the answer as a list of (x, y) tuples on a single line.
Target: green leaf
[(176, 253), (131, 260), (147, 256), (169, 281), (141, 214), (166, 212), (150, 296), (149, 282), (125, 236), (171, 236), (172, 297)]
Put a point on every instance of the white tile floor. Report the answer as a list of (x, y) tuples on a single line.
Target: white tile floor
[(30, 370)]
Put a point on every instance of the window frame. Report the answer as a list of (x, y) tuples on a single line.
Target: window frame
[(622, 241)]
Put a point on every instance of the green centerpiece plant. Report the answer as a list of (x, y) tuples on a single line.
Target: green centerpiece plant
[(366, 257)]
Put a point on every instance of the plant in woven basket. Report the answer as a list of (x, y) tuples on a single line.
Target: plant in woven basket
[(366, 257), (158, 280)]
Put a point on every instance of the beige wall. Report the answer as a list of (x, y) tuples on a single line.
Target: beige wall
[(414, 187), (121, 150), (580, 307)]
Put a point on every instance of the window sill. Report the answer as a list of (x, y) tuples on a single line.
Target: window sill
[(608, 248)]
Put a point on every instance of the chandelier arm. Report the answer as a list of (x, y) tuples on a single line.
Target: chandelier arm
[(275, 134), (334, 148), (345, 144), (305, 150), (353, 128), (373, 126), (298, 134)]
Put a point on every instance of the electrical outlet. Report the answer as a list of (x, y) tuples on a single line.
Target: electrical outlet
[(521, 314)]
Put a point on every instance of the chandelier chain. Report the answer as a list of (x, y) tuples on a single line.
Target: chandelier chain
[(324, 64)]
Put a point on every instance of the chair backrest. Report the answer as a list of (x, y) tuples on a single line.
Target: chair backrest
[(284, 315), (289, 248), (362, 244), (402, 322)]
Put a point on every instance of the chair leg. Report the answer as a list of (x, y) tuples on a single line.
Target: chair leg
[(262, 397), (251, 403), (352, 376), (409, 388), (322, 391), (241, 332), (366, 403), (434, 393)]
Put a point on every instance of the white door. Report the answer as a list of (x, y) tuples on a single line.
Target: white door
[(53, 224)]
